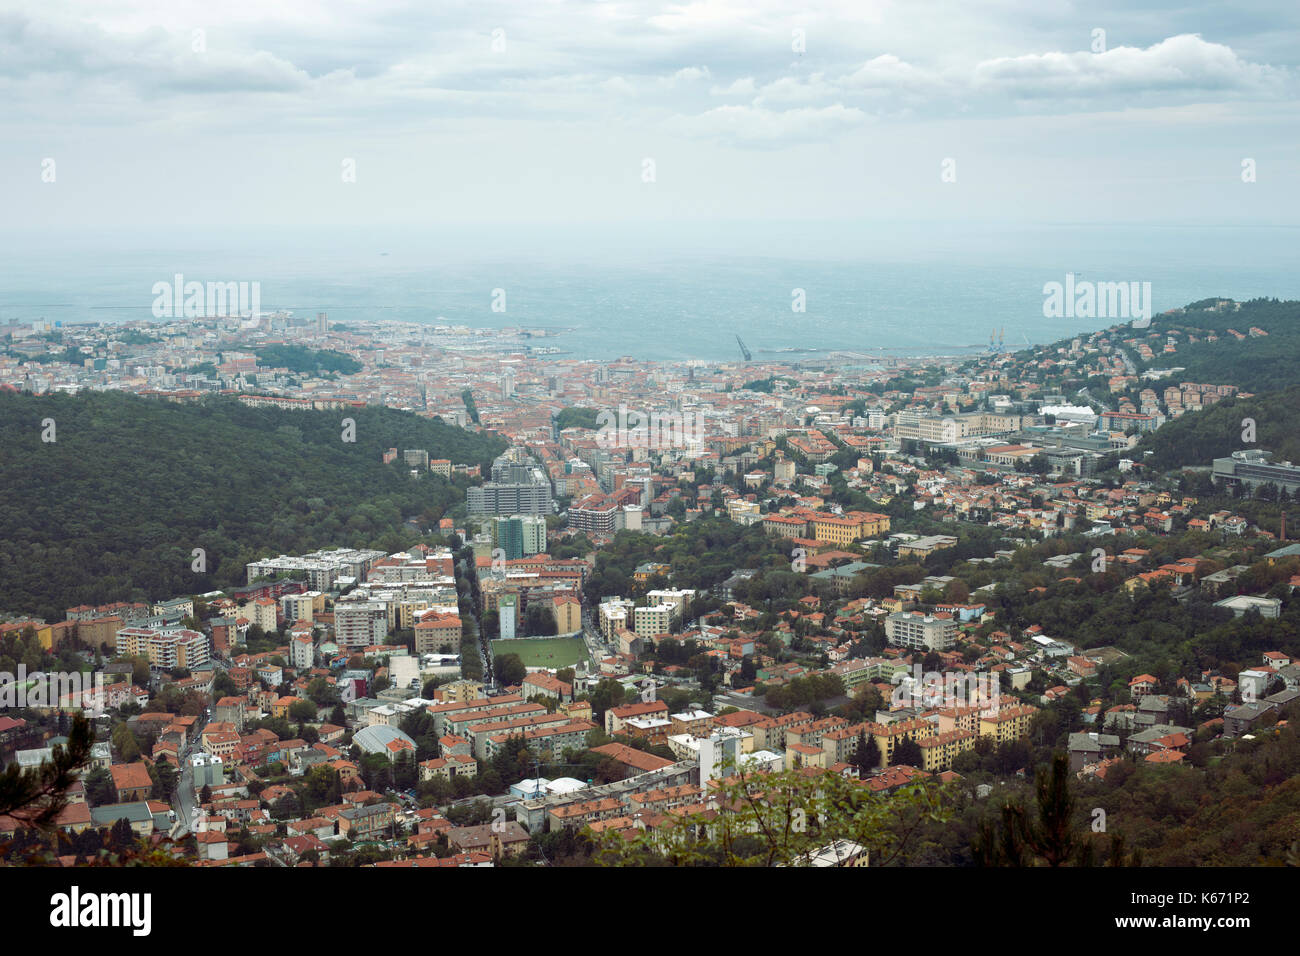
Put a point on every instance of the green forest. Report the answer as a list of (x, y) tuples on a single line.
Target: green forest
[(1257, 364), (296, 358), (577, 418), (114, 506), (1197, 438)]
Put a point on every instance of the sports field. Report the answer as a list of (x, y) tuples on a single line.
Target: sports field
[(544, 651)]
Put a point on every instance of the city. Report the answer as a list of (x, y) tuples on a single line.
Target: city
[(628, 436), (865, 569)]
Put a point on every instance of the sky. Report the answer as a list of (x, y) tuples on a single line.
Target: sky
[(175, 116)]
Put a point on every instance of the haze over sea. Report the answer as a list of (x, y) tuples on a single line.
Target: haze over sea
[(665, 291)]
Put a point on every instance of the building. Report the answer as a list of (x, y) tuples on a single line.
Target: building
[(542, 684), (438, 634), (848, 528), (507, 615), (567, 610), (922, 548), (530, 494), (595, 515), (1252, 469), (612, 616), (383, 739), (1243, 603), (302, 650), (131, 781), (320, 568), (656, 619), (520, 535), (166, 648), (360, 624), (921, 632)]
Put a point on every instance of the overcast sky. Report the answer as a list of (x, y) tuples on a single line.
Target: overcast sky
[(540, 111)]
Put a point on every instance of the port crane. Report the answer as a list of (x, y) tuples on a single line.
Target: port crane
[(744, 351)]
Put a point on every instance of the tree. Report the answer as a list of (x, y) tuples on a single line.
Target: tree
[(405, 773), (906, 752), (321, 692), (38, 795), (321, 786), (509, 669), (780, 819), (99, 787), (868, 753), (1022, 841), (302, 710), (121, 835), (128, 748), (164, 778)]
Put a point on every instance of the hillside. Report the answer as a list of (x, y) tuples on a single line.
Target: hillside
[(1197, 438), (112, 509), (299, 359), (1255, 363)]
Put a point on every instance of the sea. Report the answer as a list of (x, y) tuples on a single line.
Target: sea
[(664, 291)]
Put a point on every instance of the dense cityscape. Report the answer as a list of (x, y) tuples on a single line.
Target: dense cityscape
[(663, 586), (632, 436)]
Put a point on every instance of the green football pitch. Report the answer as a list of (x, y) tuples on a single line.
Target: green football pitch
[(544, 651)]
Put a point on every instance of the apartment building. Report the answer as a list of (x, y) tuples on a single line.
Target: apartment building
[(511, 497), (166, 649), (359, 624), (1006, 723), (921, 632), (321, 568), (434, 632)]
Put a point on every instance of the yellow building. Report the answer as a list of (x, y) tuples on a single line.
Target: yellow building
[(577, 709), (887, 736), (850, 527), (836, 529), (939, 751), (568, 613), (805, 755), (1007, 723)]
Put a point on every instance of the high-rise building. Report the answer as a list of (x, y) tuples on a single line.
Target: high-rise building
[(507, 607), (360, 623), (520, 535)]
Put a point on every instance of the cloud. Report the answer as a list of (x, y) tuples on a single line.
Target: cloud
[(1181, 65), (741, 87), (759, 126), (691, 73)]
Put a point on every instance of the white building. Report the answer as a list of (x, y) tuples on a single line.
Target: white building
[(360, 623)]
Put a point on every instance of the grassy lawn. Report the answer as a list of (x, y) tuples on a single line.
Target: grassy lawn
[(544, 651)]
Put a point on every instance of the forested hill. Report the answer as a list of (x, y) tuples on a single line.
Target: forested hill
[(1255, 363), (1197, 438), (113, 507)]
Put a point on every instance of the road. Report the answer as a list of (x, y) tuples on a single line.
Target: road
[(1093, 400), (597, 649), (1128, 362), (183, 800)]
